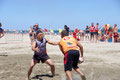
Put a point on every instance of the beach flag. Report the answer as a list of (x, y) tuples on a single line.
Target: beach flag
[(51, 30), (60, 30)]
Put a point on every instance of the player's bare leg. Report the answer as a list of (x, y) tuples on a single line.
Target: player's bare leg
[(69, 76), (79, 72), (50, 63), (33, 62)]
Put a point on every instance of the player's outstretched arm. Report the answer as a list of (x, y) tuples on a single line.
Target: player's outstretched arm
[(61, 48), (52, 43)]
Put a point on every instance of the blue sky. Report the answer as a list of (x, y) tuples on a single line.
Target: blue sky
[(54, 14)]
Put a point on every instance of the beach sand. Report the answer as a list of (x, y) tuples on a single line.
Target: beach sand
[(102, 60)]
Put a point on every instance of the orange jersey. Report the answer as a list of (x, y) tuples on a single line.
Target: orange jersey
[(68, 43)]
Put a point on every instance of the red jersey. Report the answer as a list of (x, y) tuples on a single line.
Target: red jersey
[(92, 28), (116, 35), (74, 35), (96, 29)]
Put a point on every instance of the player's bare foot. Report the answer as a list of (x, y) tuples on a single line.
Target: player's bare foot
[(27, 79), (83, 77)]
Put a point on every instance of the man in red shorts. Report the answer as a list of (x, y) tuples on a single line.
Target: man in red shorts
[(116, 36)]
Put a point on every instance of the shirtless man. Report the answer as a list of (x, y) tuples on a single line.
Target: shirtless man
[(115, 28)]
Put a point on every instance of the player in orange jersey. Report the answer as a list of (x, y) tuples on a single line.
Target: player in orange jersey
[(70, 48)]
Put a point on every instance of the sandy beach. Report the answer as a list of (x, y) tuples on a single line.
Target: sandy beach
[(102, 60)]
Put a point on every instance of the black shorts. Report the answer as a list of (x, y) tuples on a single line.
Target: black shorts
[(87, 32), (92, 33), (40, 57), (96, 33), (30, 34), (71, 60)]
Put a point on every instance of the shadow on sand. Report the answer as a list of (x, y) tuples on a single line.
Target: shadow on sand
[(3, 55), (43, 75)]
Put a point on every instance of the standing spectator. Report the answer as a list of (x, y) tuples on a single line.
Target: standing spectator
[(87, 33), (33, 32), (115, 28), (96, 31), (82, 34), (35, 29), (1, 31), (76, 34), (92, 27), (67, 29)]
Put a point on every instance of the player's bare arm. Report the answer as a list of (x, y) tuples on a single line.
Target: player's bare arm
[(81, 48), (61, 48), (34, 48), (52, 43)]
